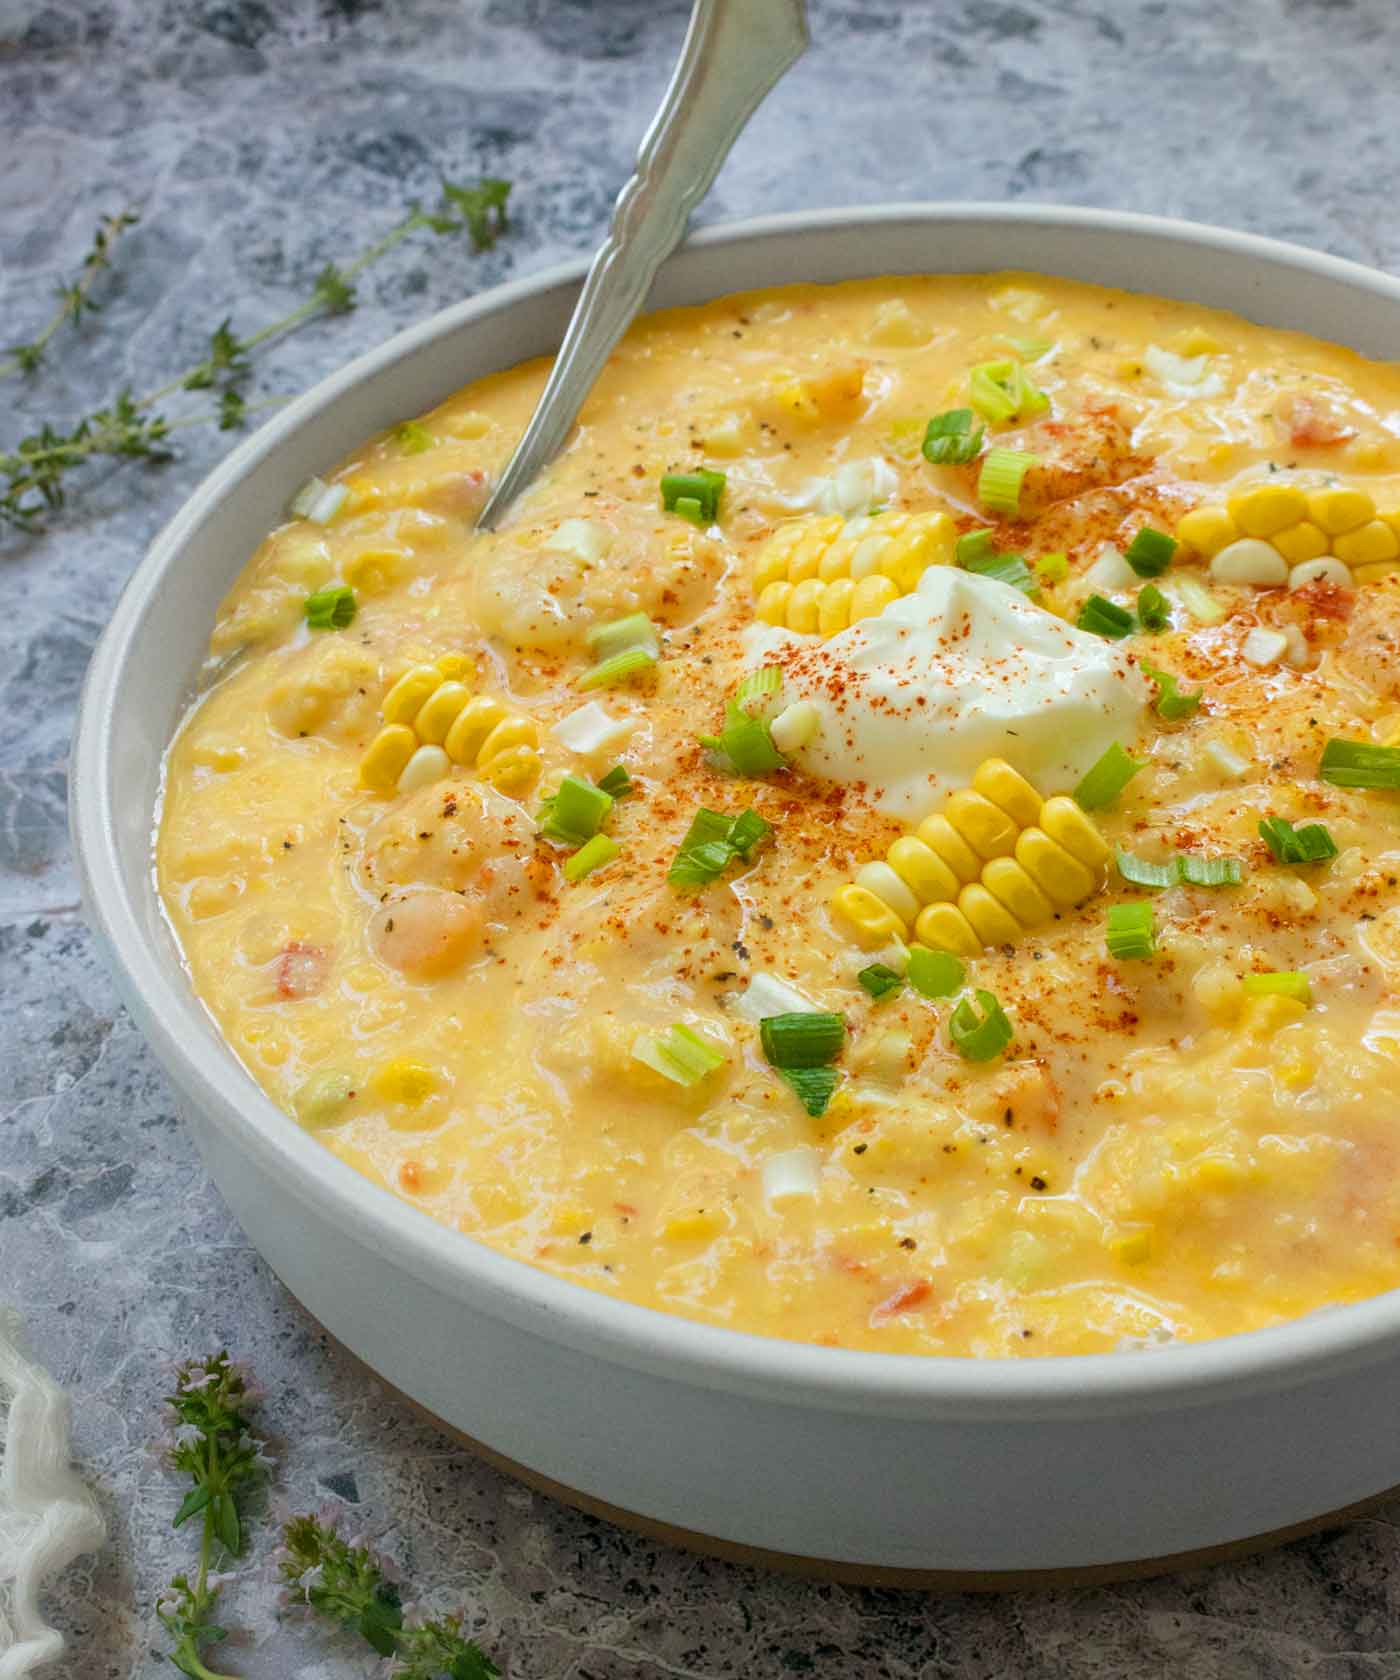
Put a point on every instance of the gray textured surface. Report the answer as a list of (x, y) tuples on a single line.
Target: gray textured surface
[(262, 140)]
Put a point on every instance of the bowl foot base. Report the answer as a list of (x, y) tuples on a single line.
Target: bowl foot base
[(877, 1575)]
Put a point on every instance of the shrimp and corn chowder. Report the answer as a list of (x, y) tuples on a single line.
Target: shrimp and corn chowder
[(893, 845)]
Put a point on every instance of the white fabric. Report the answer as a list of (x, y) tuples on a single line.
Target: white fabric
[(47, 1516)]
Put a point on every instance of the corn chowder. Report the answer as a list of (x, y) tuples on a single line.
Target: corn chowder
[(893, 844)]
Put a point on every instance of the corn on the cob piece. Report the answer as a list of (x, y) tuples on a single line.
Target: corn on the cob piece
[(995, 861), (820, 574), (432, 720), (1302, 525)]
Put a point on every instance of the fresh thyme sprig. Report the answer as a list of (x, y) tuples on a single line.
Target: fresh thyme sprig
[(36, 470), (210, 1441), (345, 1583), (75, 299)]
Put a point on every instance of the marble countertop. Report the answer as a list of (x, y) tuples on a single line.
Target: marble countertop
[(260, 142)]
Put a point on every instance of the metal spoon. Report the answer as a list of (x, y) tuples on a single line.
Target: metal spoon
[(734, 52)]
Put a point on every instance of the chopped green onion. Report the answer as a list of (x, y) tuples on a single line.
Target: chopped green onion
[(678, 1054), (1152, 609), (812, 1086), (1187, 866), (695, 496), (1171, 703), (617, 783), (413, 437), (1142, 872), (1311, 843), (978, 1038), (601, 849), (331, 609), (1103, 618), (747, 831), (1211, 871), (935, 973), (746, 742), (1131, 931), (808, 1039), (1280, 983), (1000, 391), (999, 482), (1150, 552), (1052, 568), (621, 635), (1107, 779), (575, 812), (1006, 568), (1199, 601), (950, 440), (712, 842), (759, 685), (879, 980), (1357, 764), (620, 668), (973, 546)]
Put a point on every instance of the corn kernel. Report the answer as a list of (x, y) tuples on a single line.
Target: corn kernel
[(1338, 511), (871, 596), (773, 558), (804, 606), (1376, 571), (1128, 367), (1194, 341), (805, 557), (834, 606), (1071, 828), (1133, 1250), (1063, 879), (456, 667), (1206, 530), (1215, 1172), (872, 920), (994, 779), (699, 1226), (405, 699), (728, 435), (929, 539), (439, 712), (921, 869), (473, 724), (773, 602), (569, 1219), (880, 879), (428, 765), (386, 757), (1265, 508), (513, 769), (988, 917), (896, 324), (373, 570), (945, 928), (1007, 882), (1304, 541), (939, 835), (989, 831), (404, 1080), (1367, 544), (1265, 1015), (1295, 1069), (797, 402)]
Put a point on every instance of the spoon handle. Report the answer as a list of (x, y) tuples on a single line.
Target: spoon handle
[(734, 52)]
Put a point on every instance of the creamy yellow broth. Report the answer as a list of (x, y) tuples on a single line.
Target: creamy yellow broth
[(1158, 1154)]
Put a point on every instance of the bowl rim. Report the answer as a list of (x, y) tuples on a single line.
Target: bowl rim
[(1324, 1343)]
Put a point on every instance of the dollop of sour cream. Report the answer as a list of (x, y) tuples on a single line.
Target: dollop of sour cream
[(963, 669)]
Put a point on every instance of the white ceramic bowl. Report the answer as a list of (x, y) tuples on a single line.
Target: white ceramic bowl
[(891, 1461)]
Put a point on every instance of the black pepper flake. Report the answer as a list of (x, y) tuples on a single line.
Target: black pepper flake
[(907, 1242), (1038, 1183), (586, 1238), (860, 1149)]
